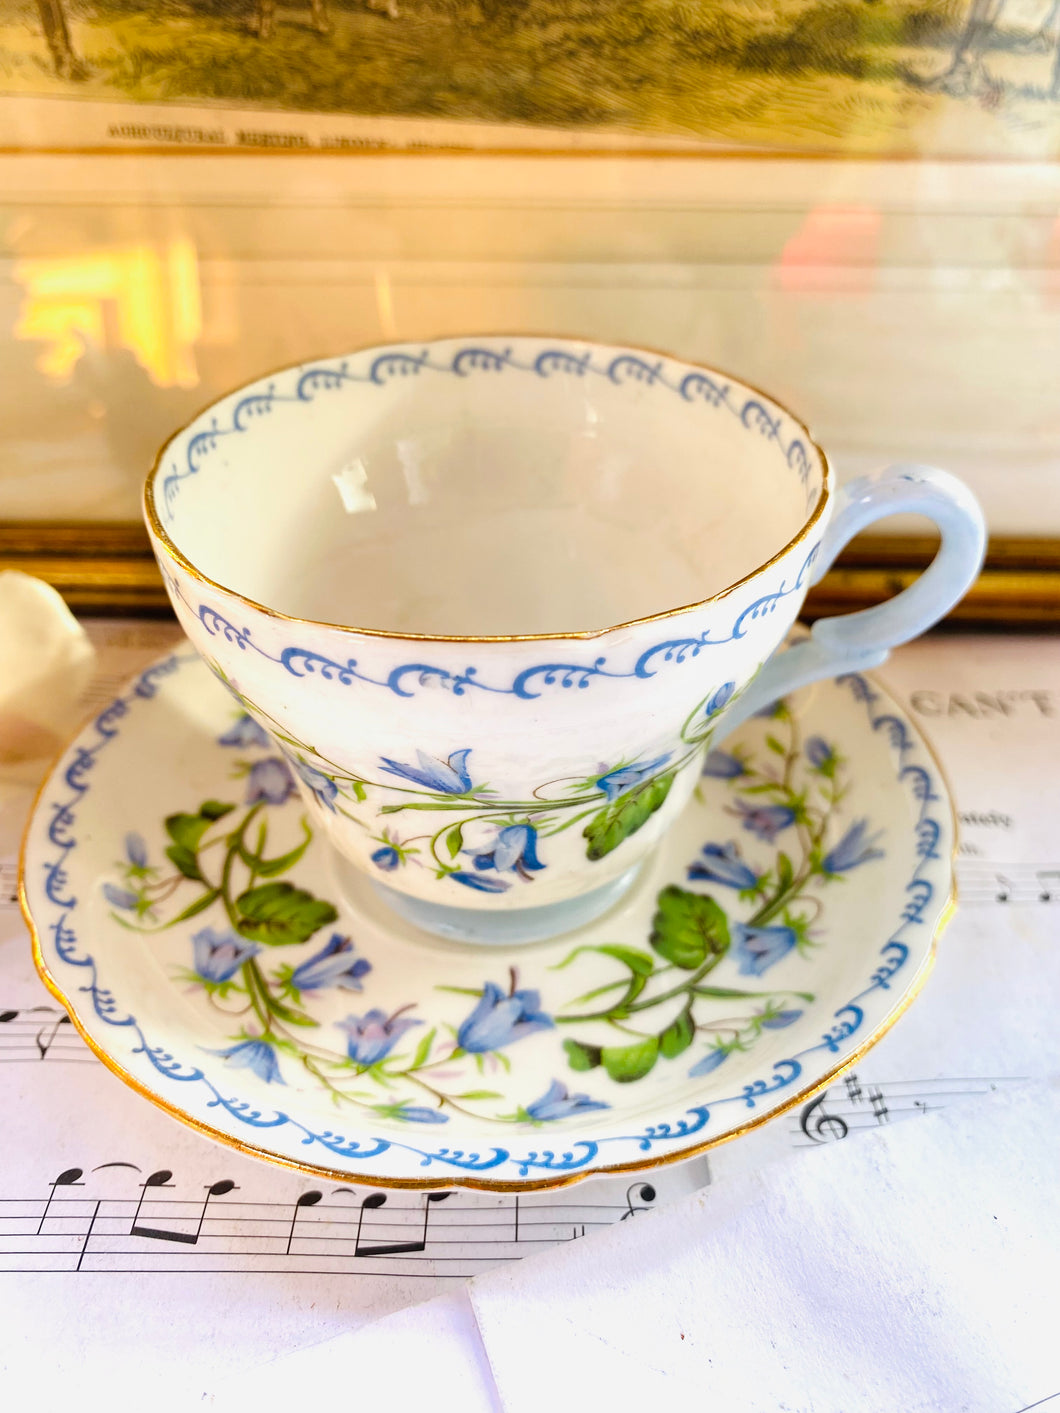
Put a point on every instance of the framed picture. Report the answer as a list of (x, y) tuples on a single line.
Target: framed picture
[(943, 78)]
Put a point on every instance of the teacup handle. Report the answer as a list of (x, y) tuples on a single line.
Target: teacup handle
[(852, 642)]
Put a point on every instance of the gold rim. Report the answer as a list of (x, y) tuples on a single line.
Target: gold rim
[(163, 542), (916, 985)]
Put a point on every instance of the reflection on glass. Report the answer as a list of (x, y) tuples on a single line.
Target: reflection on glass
[(140, 297)]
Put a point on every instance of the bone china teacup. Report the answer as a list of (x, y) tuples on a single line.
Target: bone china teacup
[(493, 598)]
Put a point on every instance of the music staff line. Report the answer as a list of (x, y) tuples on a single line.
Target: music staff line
[(982, 881), (40, 1033), (850, 1106), (67, 1232), (8, 884)]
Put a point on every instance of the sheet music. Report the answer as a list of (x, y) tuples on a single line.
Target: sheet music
[(98, 1186)]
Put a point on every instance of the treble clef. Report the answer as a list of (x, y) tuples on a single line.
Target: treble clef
[(821, 1127)]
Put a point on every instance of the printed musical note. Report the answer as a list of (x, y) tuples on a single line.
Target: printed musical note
[(853, 1088), (161, 1179), (8, 884), (38, 1033), (644, 1191), (880, 1110), (88, 1235), (307, 1199), (818, 1124), (986, 882), (45, 1037), (372, 1203), (70, 1178)]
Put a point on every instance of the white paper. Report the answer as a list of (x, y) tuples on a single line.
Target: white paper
[(915, 1270)]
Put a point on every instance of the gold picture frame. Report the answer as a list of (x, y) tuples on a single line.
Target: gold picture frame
[(108, 569)]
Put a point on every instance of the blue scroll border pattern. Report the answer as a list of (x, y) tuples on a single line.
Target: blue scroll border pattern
[(527, 684), (304, 384), (72, 781)]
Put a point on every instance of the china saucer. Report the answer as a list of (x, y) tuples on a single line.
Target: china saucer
[(213, 955)]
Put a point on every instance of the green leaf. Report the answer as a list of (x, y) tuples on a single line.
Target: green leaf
[(582, 1057), (454, 840), (641, 963), (726, 993), (186, 830), (626, 1063), (689, 929), (186, 861), (774, 745), (785, 872), (479, 1094), (678, 1035), (629, 813), (199, 906), (360, 794), (285, 1013), (423, 1049), (214, 809), (268, 868), (280, 915)]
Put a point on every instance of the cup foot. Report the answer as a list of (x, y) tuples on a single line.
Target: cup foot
[(509, 927)]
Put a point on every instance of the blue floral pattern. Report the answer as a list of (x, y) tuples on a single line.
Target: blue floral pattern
[(505, 840), (53, 834), (500, 1019)]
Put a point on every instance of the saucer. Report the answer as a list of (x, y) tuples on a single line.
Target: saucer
[(215, 955)]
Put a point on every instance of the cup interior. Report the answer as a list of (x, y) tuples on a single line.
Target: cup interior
[(487, 487)]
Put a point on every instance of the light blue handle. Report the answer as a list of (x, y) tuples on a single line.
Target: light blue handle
[(853, 642)]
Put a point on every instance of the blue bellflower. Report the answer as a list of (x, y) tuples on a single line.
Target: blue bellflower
[(617, 782), (255, 1055), (269, 782), (766, 821), (119, 897), (758, 948), (245, 732), (386, 858), (218, 955), (334, 965), (819, 753), (710, 1061), (500, 1019), (780, 1020), (483, 883), (852, 850), (722, 765), (419, 1114), (514, 851), (558, 1103), (136, 850), (323, 787), (722, 865), (721, 698), (443, 777), (370, 1038)]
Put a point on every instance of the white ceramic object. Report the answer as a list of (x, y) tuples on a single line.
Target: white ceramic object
[(184, 913), (407, 564)]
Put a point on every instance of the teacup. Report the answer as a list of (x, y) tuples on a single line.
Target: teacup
[(494, 598)]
